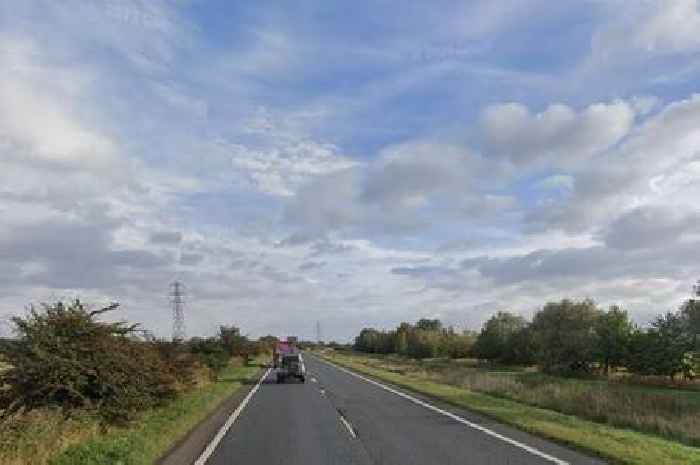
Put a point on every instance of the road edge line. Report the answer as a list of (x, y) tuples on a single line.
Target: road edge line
[(453, 416), (211, 447)]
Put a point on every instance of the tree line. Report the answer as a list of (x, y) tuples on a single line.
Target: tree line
[(569, 336), (65, 357)]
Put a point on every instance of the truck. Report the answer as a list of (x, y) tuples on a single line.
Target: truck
[(281, 349), (291, 366)]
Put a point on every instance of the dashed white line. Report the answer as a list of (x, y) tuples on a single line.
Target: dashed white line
[(229, 422), (457, 418), (347, 424)]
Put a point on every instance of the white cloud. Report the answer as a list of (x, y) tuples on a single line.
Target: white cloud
[(642, 29), (559, 135), (282, 169)]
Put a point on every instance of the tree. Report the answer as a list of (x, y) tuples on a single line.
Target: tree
[(460, 345), (211, 352), (565, 337), (233, 342), (429, 325), (613, 330), (494, 341), (664, 349), (401, 338), (690, 312), (521, 348)]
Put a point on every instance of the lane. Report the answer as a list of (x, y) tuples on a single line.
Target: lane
[(290, 424), (340, 419), (394, 430)]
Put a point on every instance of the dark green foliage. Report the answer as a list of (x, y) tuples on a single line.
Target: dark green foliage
[(65, 357), (211, 352), (664, 349), (690, 312), (565, 337), (495, 342), (613, 330), (429, 325), (427, 339), (521, 349), (460, 345)]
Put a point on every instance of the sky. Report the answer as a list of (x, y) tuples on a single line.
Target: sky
[(352, 164)]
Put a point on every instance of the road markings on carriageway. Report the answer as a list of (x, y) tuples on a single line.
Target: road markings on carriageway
[(229, 422), (451, 415), (347, 424)]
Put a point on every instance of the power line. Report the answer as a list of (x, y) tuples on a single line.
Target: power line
[(177, 300)]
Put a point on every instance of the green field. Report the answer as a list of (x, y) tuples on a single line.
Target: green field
[(45, 437), (626, 424)]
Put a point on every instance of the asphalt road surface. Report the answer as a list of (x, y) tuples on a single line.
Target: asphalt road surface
[(339, 418)]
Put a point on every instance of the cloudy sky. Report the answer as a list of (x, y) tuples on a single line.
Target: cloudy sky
[(353, 165)]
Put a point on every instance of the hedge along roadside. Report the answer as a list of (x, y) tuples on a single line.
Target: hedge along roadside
[(147, 439)]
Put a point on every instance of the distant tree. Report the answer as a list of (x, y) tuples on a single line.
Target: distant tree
[(690, 312), (211, 352), (494, 341), (429, 325), (614, 331), (401, 338), (232, 340), (460, 345), (372, 341), (521, 349), (565, 337), (424, 343)]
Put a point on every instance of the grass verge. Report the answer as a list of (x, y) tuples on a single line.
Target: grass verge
[(146, 440), (618, 445)]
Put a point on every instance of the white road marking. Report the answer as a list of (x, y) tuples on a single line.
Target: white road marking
[(457, 418), (347, 424), (231, 420)]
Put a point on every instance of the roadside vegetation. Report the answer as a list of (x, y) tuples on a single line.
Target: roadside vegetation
[(594, 366), (78, 390)]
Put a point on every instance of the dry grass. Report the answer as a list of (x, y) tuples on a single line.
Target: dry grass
[(671, 413), (35, 437), (44, 436)]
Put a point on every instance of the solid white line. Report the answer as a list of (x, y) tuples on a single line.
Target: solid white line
[(348, 426), (231, 420), (459, 419)]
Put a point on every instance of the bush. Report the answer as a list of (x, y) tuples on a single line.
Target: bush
[(212, 353), (64, 357)]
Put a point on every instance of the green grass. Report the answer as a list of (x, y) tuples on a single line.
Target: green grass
[(669, 412), (146, 440), (618, 445)]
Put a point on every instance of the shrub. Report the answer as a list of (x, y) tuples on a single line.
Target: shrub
[(65, 357)]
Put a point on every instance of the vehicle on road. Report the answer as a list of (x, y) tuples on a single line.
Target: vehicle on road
[(283, 348), (291, 366)]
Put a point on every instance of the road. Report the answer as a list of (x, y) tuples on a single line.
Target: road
[(339, 418)]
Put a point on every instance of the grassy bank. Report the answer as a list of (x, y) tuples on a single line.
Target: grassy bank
[(671, 413), (45, 437), (622, 446)]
